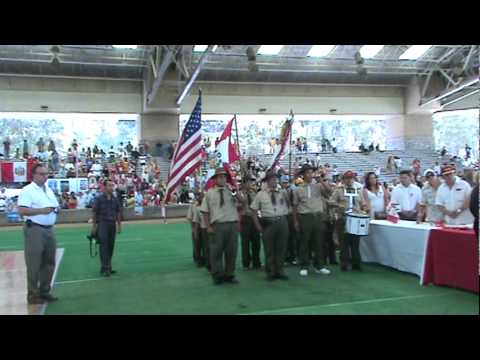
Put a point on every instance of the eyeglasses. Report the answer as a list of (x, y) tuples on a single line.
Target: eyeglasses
[(42, 174)]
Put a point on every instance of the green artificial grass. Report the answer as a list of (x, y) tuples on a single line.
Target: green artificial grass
[(156, 275)]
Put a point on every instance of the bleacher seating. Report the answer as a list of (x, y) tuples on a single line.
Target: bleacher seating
[(359, 162)]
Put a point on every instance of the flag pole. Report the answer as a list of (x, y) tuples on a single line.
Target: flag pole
[(238, 142), (290, 148)]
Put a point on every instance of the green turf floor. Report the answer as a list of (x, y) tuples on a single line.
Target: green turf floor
[(156, 275)]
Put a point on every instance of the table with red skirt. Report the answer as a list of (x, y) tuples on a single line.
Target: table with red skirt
[(452, 259), (438, 255)]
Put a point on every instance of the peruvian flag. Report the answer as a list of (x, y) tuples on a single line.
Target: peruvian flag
[(14, 172), (227, 152), (226, 149)]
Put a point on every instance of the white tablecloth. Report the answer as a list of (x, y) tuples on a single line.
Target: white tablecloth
[(401, 246)]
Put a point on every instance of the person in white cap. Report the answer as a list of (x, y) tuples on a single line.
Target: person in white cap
[(453, 198), (428, 211)]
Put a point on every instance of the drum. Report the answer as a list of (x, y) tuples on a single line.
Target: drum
[(357, 224)]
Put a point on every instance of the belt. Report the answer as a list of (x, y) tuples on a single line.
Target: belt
[(313, 214), (42, 226), (226, 222), (273, 218)]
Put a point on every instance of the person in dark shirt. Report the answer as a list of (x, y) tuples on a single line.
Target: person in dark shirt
[(107, 216), (474, 208)]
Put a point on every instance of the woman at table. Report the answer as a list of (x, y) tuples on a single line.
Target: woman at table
[(376, 196)]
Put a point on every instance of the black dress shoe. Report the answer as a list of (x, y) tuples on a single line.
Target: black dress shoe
[(282, 276), (344, 268), (357, 268), (113, 272), (333, 262), (231, 280), (105, 273), (48, 297), (271, 278), (36, 301)]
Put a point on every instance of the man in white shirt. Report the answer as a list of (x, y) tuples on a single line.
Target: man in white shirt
[(453, 198), (39, 206), (406, 197)]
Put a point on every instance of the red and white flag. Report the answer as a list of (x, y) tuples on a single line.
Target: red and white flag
[(226, 149), (227, 153), (14, 172), (187, 156)]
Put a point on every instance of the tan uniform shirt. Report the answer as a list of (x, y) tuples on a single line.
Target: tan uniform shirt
[(190, 212), (198, 217), (338, 197), (263, 203), (246, 211), (310, 198), (211, 205)]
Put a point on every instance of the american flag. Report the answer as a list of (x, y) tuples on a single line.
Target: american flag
[(187, 156)]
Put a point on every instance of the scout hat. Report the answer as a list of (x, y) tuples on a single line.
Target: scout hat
[(221, 171), (306, 167), (270, 174), (448, 169), (349, 174)]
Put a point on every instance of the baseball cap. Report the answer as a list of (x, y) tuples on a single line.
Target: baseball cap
[(448, 169), (428, 171), (349, 174)]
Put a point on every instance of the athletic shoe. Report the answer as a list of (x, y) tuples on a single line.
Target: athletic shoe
[(304, 272), (36, 301), (323, 271), (294, 262), (231, 280), (48, 297)]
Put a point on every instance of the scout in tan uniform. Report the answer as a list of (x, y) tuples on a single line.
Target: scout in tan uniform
[(310, 216), (273, 206), (349, 244), (194, 223), (219, 207), (201, 233), (292, 244), (249, 233)]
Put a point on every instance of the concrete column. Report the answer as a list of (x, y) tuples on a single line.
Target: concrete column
[(395, 132), (418, 122), (419, 131), (158, 128)]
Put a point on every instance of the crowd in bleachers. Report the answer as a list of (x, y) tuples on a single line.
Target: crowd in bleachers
[(140, 182)]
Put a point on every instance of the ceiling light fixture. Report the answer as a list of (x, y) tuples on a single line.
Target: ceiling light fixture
[(320, 50), (269, 49), (370, 51), (414, 52), (451, 92), (200, 48), (125, 46), (461, 98)]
